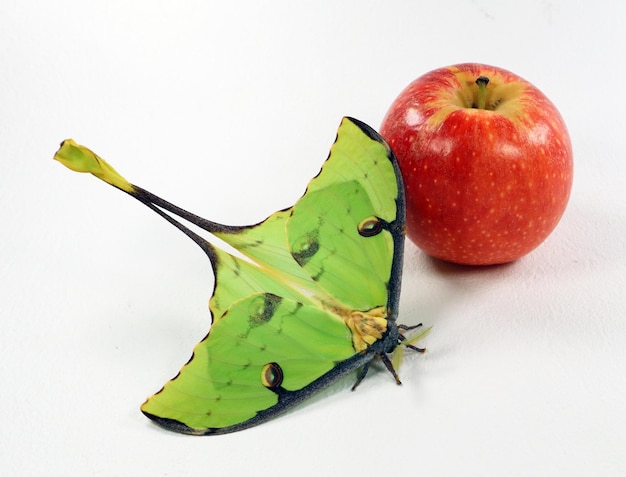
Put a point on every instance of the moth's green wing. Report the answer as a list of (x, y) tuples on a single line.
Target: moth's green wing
[(262, 333), (317, 244), (237, 278), (323, 233), (266, 244), (359, 154)]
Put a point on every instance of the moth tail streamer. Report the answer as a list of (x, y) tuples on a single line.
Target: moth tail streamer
[(81, 159)]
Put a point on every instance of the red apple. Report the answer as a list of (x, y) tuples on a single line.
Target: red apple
[(486, 161)]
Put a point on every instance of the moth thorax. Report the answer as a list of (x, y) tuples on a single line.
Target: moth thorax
[(367, 327)]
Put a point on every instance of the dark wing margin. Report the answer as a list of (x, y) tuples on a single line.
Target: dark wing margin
[(287, 400), (397, 227)]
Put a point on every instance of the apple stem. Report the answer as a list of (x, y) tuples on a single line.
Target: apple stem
[(482, 82)]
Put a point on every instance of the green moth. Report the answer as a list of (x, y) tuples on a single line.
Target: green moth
[(313, 296)]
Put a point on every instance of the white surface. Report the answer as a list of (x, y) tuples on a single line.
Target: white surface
[(228, 109)]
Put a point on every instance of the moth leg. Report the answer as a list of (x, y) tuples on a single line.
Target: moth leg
[(402, 338), (385, 359), (415, 348), (362, 373)]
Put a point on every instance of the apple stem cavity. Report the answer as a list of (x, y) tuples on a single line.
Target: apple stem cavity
[(482, 82)]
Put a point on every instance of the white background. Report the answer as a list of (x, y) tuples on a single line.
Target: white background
[(228, 109)]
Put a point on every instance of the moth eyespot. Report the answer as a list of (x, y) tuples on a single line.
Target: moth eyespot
[(262, 308), (271, 375), (370, 226), (304, 248)]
